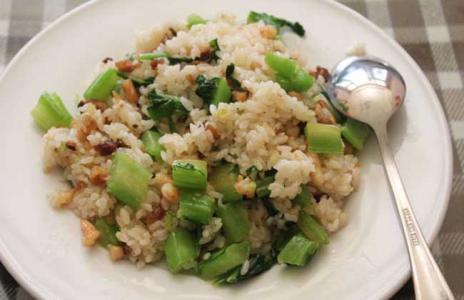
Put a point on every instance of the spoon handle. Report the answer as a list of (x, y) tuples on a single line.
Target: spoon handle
[(429, 282)]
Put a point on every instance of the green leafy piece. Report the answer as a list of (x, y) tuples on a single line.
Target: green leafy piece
[(297, 251), (257, 264), (208, 57), (150, 140), (214, 45), (289, 75), (304, 198), (262, 186), (231, 80), (179, 60), (194, 19), (235, 221), (165, 106), (252, 172), (51, 112), (355, 133), (312, 229), (283, 66), (181, 250), (153, 55), (190, 174), (213, 91), (324, 138), (196, 207), (138, 82), (224, 260), (223, 178), (128, 181), (279, 23), (102, 87), (107, 232)]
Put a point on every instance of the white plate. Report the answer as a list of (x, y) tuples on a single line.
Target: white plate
[(366, 260)]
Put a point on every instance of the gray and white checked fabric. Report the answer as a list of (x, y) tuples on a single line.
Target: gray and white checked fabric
[(432, 31)]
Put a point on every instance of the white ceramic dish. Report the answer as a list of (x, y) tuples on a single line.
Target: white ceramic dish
[(366, 260)]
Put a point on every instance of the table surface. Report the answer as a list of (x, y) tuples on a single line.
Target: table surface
[(432, 31)]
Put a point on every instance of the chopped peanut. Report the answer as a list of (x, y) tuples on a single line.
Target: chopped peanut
[(98, 175), (116, 252), (293, 132), (71, 145), (117, 96), (190, 78), (245, 187), (90, 234), (213, 129), (296, 95), (63, 199), (268, 32), (154, 63), (170, 192), (240, 96), (129, 90), (255, 65), (161, 179), (323, 114), (84, 127), (126, 65)]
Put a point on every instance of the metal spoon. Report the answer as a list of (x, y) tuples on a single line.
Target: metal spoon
[(371, 91)]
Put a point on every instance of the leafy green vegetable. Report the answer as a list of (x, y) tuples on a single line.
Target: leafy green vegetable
[(178, 60), (289, 74), (233, 83), (51, 112), (224, 260), (152, 55), (297, 251), (304, 198), (257, 264), (211, 56), (194, 19), (213, 91), (165, 107), (107, 232), (278, 23)]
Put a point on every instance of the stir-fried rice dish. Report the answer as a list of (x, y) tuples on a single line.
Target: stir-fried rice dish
[(212, 145)]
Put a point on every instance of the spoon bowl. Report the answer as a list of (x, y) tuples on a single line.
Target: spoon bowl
[(367, 89)]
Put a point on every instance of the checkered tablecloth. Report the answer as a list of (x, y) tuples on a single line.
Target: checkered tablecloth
[(432, 31)]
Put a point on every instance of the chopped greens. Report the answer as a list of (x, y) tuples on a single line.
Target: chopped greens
[(213, 91), (289, 75), (278, 23), (324, 138), (224, 260), (297, 251), (165, 106), (208, 57), (190, 174), (51, 112), (234, 84), (213, 44), (257, 264), (102, 87), (194, 19), (181, 250)]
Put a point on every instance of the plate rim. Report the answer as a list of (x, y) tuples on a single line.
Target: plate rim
[(390, 287)]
